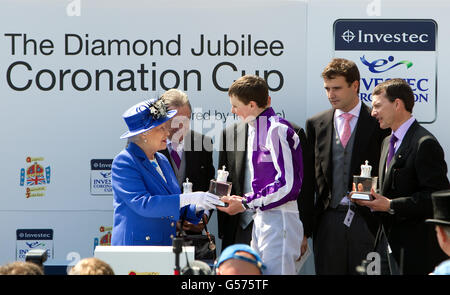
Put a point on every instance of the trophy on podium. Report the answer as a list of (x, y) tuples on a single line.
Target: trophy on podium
[(220, 186), (362, 184)]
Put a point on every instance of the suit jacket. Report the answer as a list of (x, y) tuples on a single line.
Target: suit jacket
[(199, 162), (367, 146), (146, 208), (233, 151), (417, 169), (232, 154)]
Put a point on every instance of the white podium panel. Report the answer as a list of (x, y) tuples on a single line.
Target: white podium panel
[(143, 260)]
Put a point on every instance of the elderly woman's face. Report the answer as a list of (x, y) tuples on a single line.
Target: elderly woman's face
[(157, 137)]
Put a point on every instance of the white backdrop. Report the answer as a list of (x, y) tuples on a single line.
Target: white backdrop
[(58, 117), (62, 128)]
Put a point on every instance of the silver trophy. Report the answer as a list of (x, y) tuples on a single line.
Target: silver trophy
[(187, 186), (220, 186), (362, 184)]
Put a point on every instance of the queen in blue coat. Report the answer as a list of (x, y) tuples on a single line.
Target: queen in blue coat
[(147, 198)]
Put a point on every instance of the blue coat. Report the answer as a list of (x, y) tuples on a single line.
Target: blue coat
[(146, 208)]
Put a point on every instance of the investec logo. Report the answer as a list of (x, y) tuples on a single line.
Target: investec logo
[(402, 37), (385, 35), (101, 177)]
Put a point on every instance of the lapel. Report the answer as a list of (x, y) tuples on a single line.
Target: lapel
[(241, 131), (363, 132), (400, 155), (140, 155), (383, 159), (324, 139), (188, 149)]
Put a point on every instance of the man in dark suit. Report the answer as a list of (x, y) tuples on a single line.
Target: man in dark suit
[(342, 139), (232, 155), (189, 152), (237, 228), (412, 166)]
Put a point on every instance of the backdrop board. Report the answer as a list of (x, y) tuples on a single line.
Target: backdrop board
[(69, 69), (393, 48)]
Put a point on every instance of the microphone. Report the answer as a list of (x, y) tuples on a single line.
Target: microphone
[(177, 245), (197, 267)]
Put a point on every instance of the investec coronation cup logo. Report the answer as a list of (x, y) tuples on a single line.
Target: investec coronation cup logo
[(392, 48), (29, 239), (101, 177), (35, 177)]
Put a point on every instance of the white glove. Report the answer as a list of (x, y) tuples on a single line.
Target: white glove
[(201, 200)]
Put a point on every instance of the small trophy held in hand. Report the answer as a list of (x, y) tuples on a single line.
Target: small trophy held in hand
[(220, 186), (187, 186), (362, 184)]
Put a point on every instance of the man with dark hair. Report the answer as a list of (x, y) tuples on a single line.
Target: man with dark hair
[(250, 88), (412, 166), (233, 155), (342, 139), (238, 228), (275, 173)]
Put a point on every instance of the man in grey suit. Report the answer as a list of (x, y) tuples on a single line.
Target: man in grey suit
[(189, 152), (342, 139)]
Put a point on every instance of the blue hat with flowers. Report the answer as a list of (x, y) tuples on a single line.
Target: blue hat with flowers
[(230, 253), (146, 115)]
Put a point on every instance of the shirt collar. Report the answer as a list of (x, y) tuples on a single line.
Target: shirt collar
[(355, 111), (178, 147), (401, 131), (269, 112)]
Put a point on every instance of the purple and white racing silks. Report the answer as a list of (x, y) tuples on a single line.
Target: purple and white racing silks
[(276, 164)]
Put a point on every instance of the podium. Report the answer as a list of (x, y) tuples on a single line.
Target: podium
[(143, 260)]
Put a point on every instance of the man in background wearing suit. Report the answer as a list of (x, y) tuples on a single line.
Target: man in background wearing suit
[(342, 139), (235, 229), (189, 152), (412, 166)]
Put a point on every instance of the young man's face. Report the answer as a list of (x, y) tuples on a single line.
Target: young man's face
[(245, 112), (341, 95), (383, 110)]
